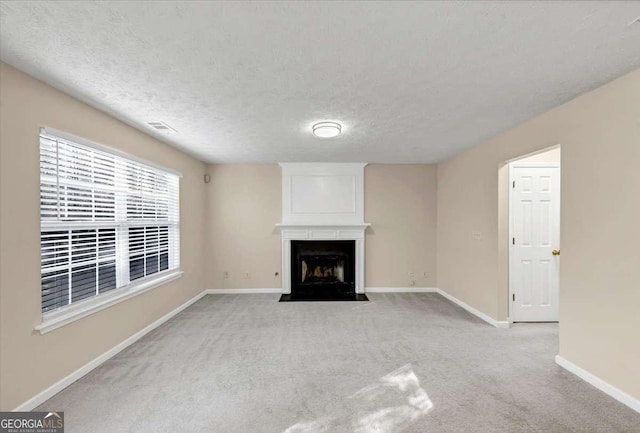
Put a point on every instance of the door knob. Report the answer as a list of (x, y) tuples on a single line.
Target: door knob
[(555, 252)]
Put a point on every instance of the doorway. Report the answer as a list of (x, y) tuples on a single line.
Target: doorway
[(534, 238)]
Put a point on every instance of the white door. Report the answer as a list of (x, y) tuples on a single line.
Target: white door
[(534, 255)]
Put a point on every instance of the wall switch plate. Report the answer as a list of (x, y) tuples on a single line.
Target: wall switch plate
[(246, 275), (412, 274)]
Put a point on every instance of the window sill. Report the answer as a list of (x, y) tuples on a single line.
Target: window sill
[(56, 319)]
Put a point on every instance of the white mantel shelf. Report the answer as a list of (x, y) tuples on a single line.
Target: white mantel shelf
[(362, 226)]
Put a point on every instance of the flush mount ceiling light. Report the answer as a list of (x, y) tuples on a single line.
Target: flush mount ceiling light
[(326, 129)]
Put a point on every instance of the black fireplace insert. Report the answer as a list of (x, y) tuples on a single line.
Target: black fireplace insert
[(323, 270)]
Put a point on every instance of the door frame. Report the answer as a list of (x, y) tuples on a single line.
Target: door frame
[(512, 165)]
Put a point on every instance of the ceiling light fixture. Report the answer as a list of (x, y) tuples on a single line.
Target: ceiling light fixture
[(327, 129)]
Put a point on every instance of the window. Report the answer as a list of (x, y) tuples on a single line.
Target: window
[(107, 221)]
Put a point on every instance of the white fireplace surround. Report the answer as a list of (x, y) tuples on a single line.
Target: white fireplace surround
[(322, 201)]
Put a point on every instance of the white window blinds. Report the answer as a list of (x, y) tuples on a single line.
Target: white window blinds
[(106, 221)]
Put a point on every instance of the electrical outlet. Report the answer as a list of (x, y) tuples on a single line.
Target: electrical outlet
[(412, 274), (225, 274), (246, 275)]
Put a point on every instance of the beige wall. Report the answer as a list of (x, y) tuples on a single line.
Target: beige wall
[(552, 155), (599, 273), (244, 205), (30, 362), (400, 203)]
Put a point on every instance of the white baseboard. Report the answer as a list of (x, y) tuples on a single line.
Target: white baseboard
[(470, 309), (401, 290), (242, 291), (603, 386), (490, 320), (481, 315), (85, 369)]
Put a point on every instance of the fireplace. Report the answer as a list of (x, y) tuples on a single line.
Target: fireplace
[(323, 268), (322, 231)]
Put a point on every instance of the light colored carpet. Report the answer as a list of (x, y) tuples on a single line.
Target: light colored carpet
[(402, 362)]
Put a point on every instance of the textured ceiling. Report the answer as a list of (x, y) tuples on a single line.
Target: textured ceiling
[(243, 82)]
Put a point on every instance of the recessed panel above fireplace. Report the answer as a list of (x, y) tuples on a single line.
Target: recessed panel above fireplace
[(322, 193)]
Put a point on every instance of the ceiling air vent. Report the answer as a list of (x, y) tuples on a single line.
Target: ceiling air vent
[(161, 127)]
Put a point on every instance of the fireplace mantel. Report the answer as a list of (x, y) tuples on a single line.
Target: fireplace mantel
[(322, 232), (362, 226), (322, 201)]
